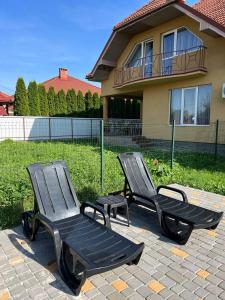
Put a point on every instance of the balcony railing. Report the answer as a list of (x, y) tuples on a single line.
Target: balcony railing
[(163, 65)]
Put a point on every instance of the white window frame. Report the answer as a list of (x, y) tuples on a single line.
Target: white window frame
[(142, 51), (175, 40), (182, 107)]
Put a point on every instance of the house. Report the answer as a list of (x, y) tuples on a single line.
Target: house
[(6, 104), (65, 82), (171, 56)]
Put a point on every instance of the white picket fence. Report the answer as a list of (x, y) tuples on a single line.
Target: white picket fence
[(48, 128)]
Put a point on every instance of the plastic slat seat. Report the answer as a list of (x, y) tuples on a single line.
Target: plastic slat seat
[(140, 189), (83, 246)]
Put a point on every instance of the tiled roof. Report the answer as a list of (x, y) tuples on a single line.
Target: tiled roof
[(150, 7), (213, 9), (5, 98), (70, 83), (3, 111)]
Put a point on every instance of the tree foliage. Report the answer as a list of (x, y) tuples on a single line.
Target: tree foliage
[(81, 103), (33, 99), (51, 101), (89, 104), (62, 103), (44, 108), (21, 99), (71, 99)]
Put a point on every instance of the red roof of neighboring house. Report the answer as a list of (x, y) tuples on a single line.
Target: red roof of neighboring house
[(213, 9), (65, 82), (3, 111), (5, 98)]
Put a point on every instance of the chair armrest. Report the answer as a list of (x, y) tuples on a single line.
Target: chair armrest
[(49, 224), (155, 202), (116, 193), (182, 193), (99, 209)]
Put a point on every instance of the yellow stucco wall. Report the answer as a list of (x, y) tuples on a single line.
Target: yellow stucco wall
[(155, 109)]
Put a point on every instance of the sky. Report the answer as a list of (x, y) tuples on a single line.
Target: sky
[(38, 37)]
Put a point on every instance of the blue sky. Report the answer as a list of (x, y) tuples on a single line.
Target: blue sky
[(38, 37)]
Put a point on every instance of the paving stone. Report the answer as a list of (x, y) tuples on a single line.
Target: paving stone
[(106, 290), (128, 292), (134, 283), (178, 277), (200, 292), (116, 296), (188, 295), (144, 291), (215, 290)]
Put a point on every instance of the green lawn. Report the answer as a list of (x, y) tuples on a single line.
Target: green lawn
[(83, 160)]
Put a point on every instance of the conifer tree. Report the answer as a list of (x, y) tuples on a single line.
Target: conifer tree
[(81, 104), (71, 99), (43, 100), (21, 99), (51, 101), (33, 99), (96, 103), (62, 103), (101, 107), (57, 105), (89, 104)]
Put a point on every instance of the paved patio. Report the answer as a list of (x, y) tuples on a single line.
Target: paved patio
[(165, 271)]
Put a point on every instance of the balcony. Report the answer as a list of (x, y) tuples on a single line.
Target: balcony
[(163, 65)]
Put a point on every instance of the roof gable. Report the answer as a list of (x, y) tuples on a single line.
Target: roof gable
[(210, 14)]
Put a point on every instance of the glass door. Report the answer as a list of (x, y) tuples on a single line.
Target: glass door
[(168, 52), (148, 57)]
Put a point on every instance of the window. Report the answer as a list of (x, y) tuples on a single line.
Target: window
[(135, 58), (191, 106), (142, 52), (175, 43)]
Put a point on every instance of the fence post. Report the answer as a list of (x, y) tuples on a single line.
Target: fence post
[(102, 154), (216, 140), (172, 143)]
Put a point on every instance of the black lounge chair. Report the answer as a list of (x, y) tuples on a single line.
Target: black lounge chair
[(83, 246), (176, 218)]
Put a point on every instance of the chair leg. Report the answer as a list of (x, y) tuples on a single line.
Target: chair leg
[(127, 215), (114, 212), (30, 225), (74, 282), (181, 237)]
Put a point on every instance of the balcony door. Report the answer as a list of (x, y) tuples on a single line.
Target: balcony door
[(148, 59), (177, 42)]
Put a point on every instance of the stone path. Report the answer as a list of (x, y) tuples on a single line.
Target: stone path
[(165, 271)]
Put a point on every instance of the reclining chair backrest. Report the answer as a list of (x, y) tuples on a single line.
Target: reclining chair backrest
[(137, 174), (55, 196)]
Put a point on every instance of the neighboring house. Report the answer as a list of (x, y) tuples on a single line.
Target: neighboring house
[(172, 57), (6, 104), (65, 82)]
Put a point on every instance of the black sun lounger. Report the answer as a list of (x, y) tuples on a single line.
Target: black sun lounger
[(83, 246), (176, 218)]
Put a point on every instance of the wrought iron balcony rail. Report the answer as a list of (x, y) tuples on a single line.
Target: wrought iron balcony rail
[(162, 65)]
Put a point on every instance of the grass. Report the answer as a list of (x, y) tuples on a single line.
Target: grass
[(83, 160)]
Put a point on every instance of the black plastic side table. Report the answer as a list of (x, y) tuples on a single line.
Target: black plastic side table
[(111, 203)]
